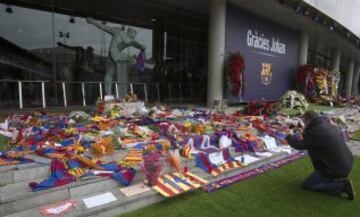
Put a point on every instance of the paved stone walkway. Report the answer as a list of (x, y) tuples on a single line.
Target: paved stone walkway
[(354, 147)]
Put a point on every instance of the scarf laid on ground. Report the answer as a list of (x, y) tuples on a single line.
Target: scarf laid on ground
[(223, 183), (62, 173)]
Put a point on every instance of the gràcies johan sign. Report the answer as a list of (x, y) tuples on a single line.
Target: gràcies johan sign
[(270, 51), (259, 41)]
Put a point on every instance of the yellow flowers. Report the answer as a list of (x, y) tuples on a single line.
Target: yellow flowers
[(199, 129), (188, 125), (71, 130)]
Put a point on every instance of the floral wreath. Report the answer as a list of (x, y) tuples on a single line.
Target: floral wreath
[(235, 74)]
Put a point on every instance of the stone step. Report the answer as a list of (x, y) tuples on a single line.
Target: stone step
[(18, 196), (28, 171), (123, 204), (5, 169), (21, 189)]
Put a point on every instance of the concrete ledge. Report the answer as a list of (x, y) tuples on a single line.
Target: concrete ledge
[(28, 203), (6, 178), (28, 207), (31, 174), (5, 169)]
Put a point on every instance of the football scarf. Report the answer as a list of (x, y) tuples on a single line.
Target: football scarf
[(62, 173), (252, 173), (216, 165)]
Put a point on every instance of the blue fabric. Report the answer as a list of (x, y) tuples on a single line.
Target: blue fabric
[(73, 163), (199, 163), (47, 183), (317, 182), (86, 144), (159, 147), (110, 166), (19, 148), (125, 176), (59, 176), (24, 160), (46, 150), (38, 137), (138, 146), (61, 124), (36, 129), (67, 142)]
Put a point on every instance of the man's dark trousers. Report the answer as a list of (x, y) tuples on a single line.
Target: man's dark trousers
[(317, 182)]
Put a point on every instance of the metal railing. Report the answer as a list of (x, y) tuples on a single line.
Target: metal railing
[(64, 94)]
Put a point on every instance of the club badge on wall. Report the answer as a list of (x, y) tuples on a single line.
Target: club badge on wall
[(266, 73)]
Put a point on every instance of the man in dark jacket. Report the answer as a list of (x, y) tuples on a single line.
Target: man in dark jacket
[(329, 154)]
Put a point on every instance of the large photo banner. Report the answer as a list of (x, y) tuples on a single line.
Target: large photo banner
[(270, 51)]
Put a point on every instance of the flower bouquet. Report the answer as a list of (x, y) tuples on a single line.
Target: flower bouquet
[(235, 74), (174, 160), (152, 167)]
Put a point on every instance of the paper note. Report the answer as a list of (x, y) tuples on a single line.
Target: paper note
[(99, 172), (247, 159), (269, 141), (264, 154), (99, 200), (286, 149), (135, 189), (217, 158)]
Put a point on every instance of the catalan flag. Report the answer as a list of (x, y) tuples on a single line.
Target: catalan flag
[(172, 184), (77, 172), (7, 159), (225, 167), (134, 156), (186, 152), (7, 162)]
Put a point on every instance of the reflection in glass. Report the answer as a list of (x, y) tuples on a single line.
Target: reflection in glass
[(36, 45)]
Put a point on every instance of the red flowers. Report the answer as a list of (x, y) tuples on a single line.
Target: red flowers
[(236, 69)]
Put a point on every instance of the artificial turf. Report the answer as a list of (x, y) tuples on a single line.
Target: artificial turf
[(274, 194)]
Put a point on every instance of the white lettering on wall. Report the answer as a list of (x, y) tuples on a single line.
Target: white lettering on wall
[(259, 41)]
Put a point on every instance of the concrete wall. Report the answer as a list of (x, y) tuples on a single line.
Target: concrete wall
[(345, 12)]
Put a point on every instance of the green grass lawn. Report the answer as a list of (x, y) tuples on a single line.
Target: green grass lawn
[(274, 194)]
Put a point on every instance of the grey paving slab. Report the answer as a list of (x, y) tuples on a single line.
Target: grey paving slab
[(31, 202), (6, 178), (121, 205), (354, 147)]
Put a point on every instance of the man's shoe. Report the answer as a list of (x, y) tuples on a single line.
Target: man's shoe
[(348, 189)]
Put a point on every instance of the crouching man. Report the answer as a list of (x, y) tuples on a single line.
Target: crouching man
[(329, 154)]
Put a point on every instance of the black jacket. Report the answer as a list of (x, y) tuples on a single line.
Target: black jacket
[(327, 149)]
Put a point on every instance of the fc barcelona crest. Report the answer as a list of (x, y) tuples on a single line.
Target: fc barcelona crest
[(266, 73)]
